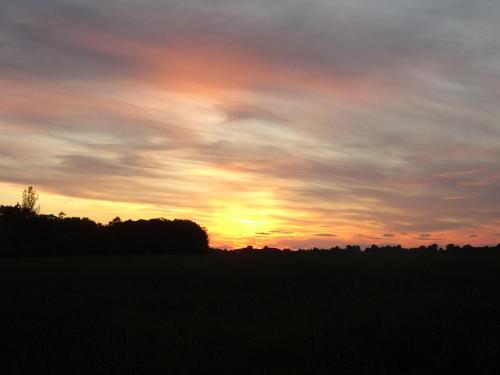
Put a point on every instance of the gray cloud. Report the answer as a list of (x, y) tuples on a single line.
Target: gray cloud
[(243, 112), (372, 37)]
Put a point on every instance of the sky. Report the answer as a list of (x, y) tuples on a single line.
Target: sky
[(283, 123)]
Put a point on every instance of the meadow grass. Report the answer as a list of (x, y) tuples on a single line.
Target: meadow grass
[(251, 314)]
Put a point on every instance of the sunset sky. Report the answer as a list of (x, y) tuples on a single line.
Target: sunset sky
[(287, 123)]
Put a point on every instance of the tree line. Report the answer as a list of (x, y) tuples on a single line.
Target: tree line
[(373, 249), (26, 232)]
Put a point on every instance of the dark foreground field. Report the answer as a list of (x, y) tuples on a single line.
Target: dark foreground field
[(237, 314)]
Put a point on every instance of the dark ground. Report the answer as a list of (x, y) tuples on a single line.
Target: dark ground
[(251, 314)]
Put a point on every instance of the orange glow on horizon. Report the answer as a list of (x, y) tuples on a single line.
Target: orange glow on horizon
[(235, 225)]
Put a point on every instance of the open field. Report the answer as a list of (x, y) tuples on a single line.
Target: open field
[(251, 314)]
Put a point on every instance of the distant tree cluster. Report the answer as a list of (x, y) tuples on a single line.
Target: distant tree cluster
[(25, 232), (373, 249), (431, 249), (349, 249)]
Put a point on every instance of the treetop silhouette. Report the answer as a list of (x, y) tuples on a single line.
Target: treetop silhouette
[(29, 200)]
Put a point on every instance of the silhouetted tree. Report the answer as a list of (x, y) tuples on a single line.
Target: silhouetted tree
[(116, 220), (451, 248), (28, 204), (434, 248), (353, 249)]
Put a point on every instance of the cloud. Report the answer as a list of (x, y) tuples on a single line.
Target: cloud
[(303, 40), (325, 235), (242, 112), (426, 237), (283, 232), (368, 237)]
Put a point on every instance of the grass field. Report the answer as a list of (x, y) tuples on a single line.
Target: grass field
[(239, 314)]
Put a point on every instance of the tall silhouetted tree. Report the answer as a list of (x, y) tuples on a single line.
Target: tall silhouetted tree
[(30, 198)]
